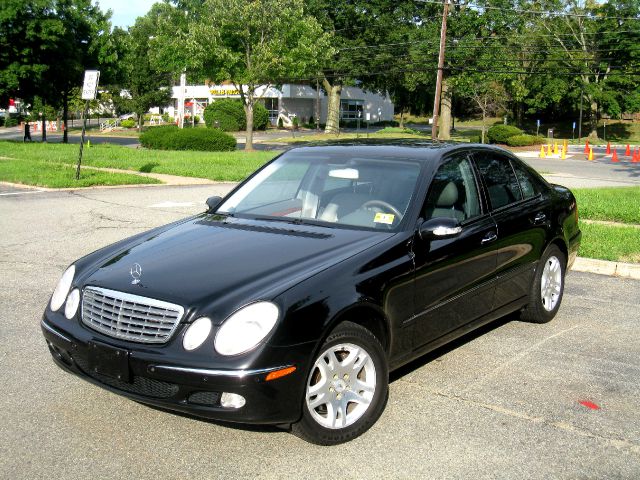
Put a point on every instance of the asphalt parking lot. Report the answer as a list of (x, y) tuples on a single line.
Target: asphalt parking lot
[(504, 403)]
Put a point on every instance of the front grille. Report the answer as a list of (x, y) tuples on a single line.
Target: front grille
[(211, 399), (144, 386), (129, 317)]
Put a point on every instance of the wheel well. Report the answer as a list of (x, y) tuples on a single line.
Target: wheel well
[(371, 319), (563, 248)]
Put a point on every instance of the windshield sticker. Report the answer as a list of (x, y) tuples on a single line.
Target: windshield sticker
[(386, 218)]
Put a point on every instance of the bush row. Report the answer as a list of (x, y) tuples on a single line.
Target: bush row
[(500, 133), (524, 140), (230, 115), (170, 137)]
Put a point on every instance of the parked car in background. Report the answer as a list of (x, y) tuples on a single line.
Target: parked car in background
[(289, 301)]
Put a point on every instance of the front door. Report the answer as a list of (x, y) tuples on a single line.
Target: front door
[(454, 279)]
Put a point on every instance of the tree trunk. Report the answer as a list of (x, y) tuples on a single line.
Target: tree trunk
[(44, 123), (593, 121), (401, 123), (483, 127), (65, 114), (519, 114), (333, 110), (444, 127), (140, 122), (248, 109)]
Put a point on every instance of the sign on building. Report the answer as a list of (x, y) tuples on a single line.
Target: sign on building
[(90, 86)]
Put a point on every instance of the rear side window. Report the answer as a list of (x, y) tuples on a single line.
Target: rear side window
[(527, 183), (500, 179)]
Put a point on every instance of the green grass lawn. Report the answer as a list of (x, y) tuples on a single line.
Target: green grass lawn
[(61, 175), (220, 166), (606, 242), (620, 204)]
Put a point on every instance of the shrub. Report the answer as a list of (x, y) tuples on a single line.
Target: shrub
[(1, 121), (280, 123), (386, 123), (295, 122), (260, 116), (11, 121), (228, 113), (171, 137), (500, 133), (130, 123), (524, 140)]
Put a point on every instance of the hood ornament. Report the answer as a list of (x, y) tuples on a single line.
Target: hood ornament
[(136, 273)]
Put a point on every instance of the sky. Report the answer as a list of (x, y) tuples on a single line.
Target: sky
[(125, 12)]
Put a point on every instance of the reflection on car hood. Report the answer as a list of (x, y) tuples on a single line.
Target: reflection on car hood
[(212, 259)]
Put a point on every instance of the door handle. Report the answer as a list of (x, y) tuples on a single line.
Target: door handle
[(539, 218), (489, 237)]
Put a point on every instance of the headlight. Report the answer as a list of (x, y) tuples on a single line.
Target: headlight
[(62, 289), (196, 334), (73, 300), (243, 330)]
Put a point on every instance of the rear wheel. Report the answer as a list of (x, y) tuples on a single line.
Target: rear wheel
[(347, 387), (547, 288)]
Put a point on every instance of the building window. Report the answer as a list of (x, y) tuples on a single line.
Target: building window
[(272, 106), (349, 109)]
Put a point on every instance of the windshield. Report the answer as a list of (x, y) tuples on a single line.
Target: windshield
[(335, 189)]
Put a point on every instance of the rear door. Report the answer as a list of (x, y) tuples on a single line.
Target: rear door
[(521, 214), (454, 282)]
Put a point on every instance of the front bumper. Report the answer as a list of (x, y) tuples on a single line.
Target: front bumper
[(184, 388)]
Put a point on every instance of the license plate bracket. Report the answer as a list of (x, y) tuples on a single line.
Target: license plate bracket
[(109, 361)]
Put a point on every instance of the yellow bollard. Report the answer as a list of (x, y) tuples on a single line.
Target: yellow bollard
[(549, 150), (565, 144), (555, 148), (563, 155), (88, 143), (542, 154), (590, 153)]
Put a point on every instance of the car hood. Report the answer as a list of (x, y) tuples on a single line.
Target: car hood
[(213, 262)]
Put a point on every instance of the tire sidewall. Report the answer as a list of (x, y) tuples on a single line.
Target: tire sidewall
[(551, 251), (348, 332)]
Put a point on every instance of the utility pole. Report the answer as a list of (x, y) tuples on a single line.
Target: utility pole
[(436, 102)]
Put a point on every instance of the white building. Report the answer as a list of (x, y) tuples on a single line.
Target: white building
[(290, 101)]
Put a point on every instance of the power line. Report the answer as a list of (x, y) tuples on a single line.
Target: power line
[(537, 12)]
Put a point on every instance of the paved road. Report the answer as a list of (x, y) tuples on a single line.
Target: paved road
[(504, 404)]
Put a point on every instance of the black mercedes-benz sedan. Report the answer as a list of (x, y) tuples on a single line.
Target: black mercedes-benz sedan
[(290, 300)]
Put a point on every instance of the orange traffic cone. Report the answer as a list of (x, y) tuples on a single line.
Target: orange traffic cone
[(636, 155), (614, 158), (586, 147), (542, 154), (590, 157), (628, 151), (608, 148)]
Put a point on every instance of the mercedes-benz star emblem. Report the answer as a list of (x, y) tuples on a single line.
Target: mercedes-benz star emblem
[(136, 273)]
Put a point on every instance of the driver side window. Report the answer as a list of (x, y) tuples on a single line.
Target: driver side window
[(453, 192)]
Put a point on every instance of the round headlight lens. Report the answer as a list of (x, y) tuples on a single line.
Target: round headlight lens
[(71, 307), (246, 328), (62, 289), (196, 334)]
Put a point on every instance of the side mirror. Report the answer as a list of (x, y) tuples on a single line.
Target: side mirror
[(439, 228), (213, 202)]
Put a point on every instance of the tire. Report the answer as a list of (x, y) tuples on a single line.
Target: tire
[(547, 288), (347, 387)]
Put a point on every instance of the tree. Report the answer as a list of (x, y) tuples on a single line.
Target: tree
[(144, 85), (45, 46), (488, 95), (254, 45)]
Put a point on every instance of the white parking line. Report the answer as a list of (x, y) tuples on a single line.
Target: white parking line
[(22, 193)]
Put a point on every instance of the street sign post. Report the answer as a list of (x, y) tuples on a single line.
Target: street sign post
[(537, 127), (89, 91), (573, 131)]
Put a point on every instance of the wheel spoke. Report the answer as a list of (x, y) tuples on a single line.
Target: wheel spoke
[(351, 358), (340, 417), (359, 386), (320, 399), (354, 396), (321, 385)]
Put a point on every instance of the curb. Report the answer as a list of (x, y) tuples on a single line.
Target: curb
[(604, 267)]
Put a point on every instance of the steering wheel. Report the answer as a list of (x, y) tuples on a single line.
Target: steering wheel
[(384, 206)]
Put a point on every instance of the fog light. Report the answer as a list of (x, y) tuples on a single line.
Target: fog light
[(232, 400), (71, 307), (196, 334)]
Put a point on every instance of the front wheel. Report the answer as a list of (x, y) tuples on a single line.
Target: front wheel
[(547, 289), (347, 387)]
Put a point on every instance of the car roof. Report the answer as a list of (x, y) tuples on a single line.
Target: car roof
[(421, 150)]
